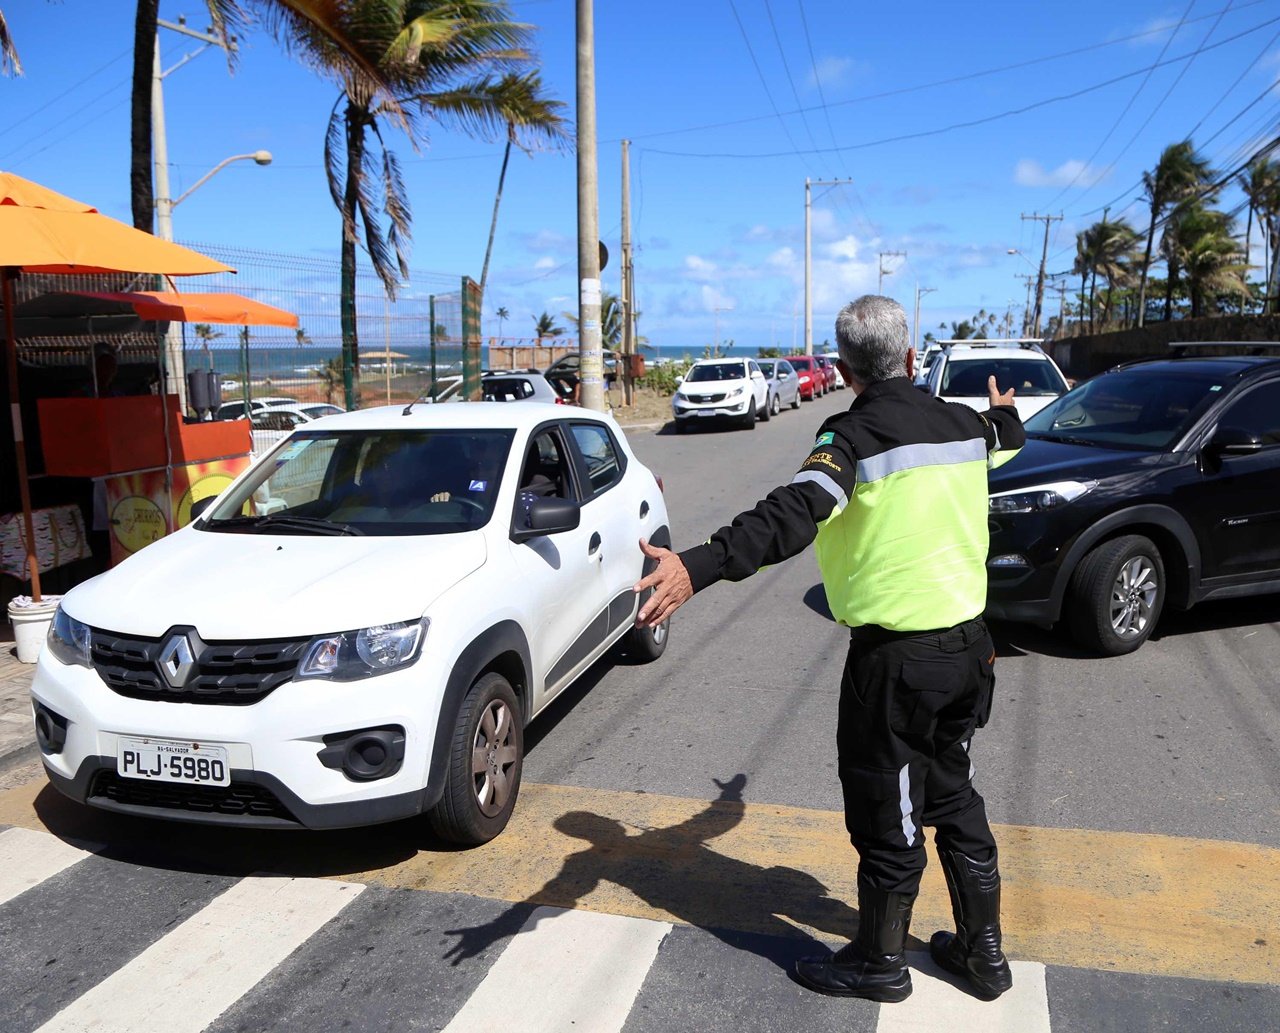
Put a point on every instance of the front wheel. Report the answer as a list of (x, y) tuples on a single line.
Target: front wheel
[(749, 420), (486, 756), (766, 413), (1116, 595), (775, 405), (646, 644)]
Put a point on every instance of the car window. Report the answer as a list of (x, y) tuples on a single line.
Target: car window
[(506, 389), (377, 482), (1257, 412), (1029, 377), (546, 469), (767, 369), (717, 371), (600, 455)]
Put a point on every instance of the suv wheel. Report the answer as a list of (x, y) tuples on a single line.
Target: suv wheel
[(749, 420), (1116, 595), (486, 756), (766, 413)]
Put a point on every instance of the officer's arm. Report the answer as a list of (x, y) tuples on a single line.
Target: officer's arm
[(783, 523), (1001, 426)]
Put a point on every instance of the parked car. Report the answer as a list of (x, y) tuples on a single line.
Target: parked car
[(1152, 485), (519, 387), (960, 372), (813, 382), (830, 376), (335, 641), (925, 360), (721, 389), (272, 424), (568, 367), (784, 385), (236, 410), (832, 358)]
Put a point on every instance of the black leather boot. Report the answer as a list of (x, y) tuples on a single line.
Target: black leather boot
[(973, 950), (874, 965)]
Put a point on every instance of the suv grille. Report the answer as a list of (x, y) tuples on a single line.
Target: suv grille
[(240, 799), (706, 398), (234, 673)]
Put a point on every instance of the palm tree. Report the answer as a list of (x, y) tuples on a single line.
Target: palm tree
[(611, 321), (1086, 251), (503, 315), (301, 337), (9, 63), (524, 108), (544, 325), (1115, 252), (1198, 241), (1181, 173), (1261, 185), (204, 334), (331, 376)]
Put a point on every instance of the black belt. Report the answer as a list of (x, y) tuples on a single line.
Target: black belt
[(963, 635)]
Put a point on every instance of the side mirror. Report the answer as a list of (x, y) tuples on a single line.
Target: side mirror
[(923, 385), (1234, 441), (784, 375), (536, 516), (679, 380), (202, 506), (757, 374)]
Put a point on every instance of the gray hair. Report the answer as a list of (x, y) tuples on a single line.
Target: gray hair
[(871, 333)]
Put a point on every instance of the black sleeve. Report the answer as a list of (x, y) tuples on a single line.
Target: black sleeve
[(784, 522), (1002, 427)]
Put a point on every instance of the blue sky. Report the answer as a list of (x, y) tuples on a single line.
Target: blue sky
[(709, 92)]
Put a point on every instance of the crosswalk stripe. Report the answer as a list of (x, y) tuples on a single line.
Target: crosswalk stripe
[(936, 1003), (186, 979), (28, 858), (565, 970)]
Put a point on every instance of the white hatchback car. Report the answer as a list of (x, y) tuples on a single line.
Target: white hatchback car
[(723, 389), (359, 628), (960, 372)]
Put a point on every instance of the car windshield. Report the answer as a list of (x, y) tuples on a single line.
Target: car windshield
[(802, 364), (374, 482), (1128, 409), (1029, 377), (717, 371), (767, 369)]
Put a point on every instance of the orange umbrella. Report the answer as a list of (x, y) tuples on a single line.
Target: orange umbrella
[(46, 232), (170, 306)]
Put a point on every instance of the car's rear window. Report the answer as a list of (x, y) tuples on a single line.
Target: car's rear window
[(374, 482), (1128, 409), (717, 371), (1029, 377)]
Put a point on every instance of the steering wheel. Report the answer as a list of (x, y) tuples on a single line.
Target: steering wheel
[(479, 506)]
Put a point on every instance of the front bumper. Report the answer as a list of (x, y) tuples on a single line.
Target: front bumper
[(709, 410), (278, 778)]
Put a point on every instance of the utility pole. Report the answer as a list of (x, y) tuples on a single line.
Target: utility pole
[(628, 340), (1026, 312), (883, 270), (1048, 220), (915, 323), (808, 254), (590, 359)]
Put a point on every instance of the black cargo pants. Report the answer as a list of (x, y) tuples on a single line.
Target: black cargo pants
[(909, 704)]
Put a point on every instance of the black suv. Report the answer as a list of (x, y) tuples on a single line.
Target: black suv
[(1155, 483)]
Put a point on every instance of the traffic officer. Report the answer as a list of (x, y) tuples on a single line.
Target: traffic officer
[(895, 492)]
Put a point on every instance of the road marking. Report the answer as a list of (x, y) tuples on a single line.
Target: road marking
[(936, 1003), (185, 980), (565, 970), (28, 858), (1077, 897)]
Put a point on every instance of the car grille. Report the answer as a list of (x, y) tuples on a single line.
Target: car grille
[(228, 673), (240, 799), (706, 398)]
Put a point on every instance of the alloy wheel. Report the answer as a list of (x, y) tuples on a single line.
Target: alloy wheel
[(1133, 596), (492, 755)]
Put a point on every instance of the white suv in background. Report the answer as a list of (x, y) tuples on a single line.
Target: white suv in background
[(359, 627), (960, 372), (721, 389)]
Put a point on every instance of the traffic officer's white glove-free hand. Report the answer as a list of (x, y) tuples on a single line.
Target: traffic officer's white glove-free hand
[(993, 392), (670, 583)]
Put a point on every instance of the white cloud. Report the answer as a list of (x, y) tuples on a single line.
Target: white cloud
[(1074, 172), (845, 247), (831, 72), (545, 262), (713, 299)]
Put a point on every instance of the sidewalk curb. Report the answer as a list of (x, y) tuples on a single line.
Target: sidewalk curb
[(16, 756), (628, 427)]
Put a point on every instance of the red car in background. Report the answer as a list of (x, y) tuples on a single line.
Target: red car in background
[(813, 382), (828, 372)]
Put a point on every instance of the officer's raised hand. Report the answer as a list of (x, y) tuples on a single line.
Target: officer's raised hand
[(671, 586), (993, 392)]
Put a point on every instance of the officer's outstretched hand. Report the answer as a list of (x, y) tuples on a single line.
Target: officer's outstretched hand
[(993, 392), (670, 583)]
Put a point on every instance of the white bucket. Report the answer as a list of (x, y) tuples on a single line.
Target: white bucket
[(31, 624)]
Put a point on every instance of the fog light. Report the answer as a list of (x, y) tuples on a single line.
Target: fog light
[(365, 755), (51, 730), (1011, 559)]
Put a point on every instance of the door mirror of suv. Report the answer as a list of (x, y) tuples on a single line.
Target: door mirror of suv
[(536, 517), (202, 506), (757, 374), (679, 381), (1234, 441)]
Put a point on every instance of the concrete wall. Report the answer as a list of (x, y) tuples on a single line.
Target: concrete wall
[(1082, 357)]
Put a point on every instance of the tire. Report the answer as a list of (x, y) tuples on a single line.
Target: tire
[(775, 406), (1115, 595), (795, 402), (645, 645), (476, 807), (749, 420), (766, 414)]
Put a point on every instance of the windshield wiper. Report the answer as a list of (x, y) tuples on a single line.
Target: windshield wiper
[(288, 520), (1061, 438)]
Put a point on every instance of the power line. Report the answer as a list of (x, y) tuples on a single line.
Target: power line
[(977, 121), (69, 90), (763, 82)]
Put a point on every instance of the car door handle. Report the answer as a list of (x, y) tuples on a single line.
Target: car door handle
[(594, 545), (644, 510)]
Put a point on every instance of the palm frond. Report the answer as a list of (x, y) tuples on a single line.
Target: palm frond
[(9, 62)]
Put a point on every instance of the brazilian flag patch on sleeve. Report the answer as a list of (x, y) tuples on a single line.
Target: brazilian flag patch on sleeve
[(824, 439)]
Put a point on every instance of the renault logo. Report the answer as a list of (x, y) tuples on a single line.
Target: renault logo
[(176, 661)]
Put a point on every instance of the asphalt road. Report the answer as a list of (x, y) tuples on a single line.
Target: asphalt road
[(677, 845)]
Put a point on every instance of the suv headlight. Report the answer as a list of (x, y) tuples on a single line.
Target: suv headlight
[(68, 639), (352, 655), (1039, 498), (737, 392)]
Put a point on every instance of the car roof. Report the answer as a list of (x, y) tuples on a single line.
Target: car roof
[(993, 351), (466, 416), (721, 361), (1204, 363)]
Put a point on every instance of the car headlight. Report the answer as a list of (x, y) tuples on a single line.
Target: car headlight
[(737, 392), (68, 639), (1039, 498), (352, 655)]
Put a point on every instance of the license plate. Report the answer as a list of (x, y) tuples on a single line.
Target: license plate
[(706, 412), (169, 760)]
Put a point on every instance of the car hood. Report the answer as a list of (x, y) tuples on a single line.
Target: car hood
[(1042, 462), (253, 586), (1027, 407)]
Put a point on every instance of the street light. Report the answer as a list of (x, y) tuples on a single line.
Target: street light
[(165, 207), (1015, 251)]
